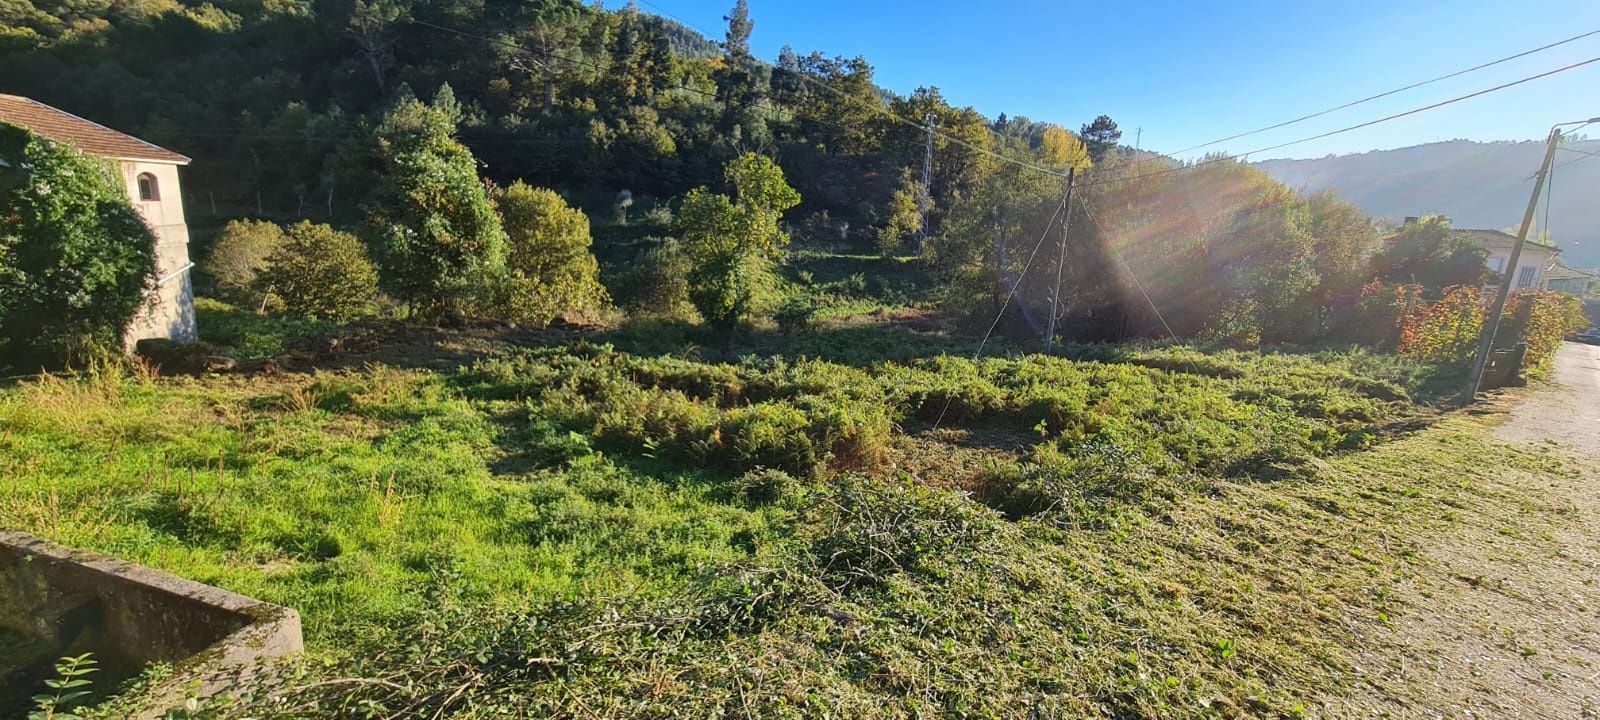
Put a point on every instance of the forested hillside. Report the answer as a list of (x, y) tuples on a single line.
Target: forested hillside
[(1477, 184), (284, 107)]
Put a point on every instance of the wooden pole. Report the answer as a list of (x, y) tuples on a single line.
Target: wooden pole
[(1061, 261), (1491, 324)]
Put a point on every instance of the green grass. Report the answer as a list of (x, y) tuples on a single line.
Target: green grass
[(345, 496), (248, 335), (853, 521), (846, 286)]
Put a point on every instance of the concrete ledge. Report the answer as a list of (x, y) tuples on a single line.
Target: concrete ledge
[(55, 601)]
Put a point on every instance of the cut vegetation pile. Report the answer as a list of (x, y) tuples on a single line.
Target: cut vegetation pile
[(579, 531)]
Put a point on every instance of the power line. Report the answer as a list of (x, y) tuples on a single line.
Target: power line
[(1359, 126), (1385, 94), (1055, 173), (1573, 161), (1131, 274), (1006, 304)]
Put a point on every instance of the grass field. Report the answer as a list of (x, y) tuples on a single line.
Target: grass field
[(851, 522)]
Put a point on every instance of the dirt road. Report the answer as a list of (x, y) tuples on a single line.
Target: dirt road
[(1502, 619), (1567, 411)]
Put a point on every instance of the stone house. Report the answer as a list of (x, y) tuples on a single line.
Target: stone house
[(150, 174)]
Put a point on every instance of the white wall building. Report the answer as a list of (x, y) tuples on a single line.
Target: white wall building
[(1532, 268), (150, 174)]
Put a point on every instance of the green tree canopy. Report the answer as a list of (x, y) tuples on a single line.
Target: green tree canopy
[(440, 235), (75, 258), (1428, 254), (548, 256), (732, 242), (237, 258), (318, 271)]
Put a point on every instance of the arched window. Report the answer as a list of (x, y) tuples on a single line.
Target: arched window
[(148, 190)]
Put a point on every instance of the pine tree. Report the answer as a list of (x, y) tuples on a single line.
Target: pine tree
[(1101, 136)]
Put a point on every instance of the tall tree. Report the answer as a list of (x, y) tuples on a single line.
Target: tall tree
[(737, 43), (440, 235), (371, 27), (740, 80), (1101, 136), (732, 242)]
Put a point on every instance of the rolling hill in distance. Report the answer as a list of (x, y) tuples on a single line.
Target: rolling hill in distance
[(1476, 184)]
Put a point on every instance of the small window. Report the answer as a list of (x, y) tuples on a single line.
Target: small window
[(148, 189), (1496, 263), (1525, 277)]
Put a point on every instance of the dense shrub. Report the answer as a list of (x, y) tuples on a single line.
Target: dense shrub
[(1541, 319), (1444, 331), (1447, 331), (775, 435), (238, 258), (547, 253), (656, 284), (762, 486), (1428, 254), (796, 313), (321, 272), (75, 258), (1237, 325), (1377, 318)]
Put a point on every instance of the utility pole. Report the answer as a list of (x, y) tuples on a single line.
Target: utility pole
[(927, 179), (1138, 137), (1491, 325), (1061, 261)]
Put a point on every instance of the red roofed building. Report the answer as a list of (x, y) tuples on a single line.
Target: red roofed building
[(150, 174)]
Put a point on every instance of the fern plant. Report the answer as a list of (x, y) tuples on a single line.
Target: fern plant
[(67, 688)]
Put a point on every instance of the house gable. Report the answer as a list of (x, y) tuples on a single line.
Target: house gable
[(90, 137)]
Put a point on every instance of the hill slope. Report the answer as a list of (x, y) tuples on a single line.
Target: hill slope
[(1476, 184)]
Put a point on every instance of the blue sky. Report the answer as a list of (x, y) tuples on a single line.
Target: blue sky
[(1188, 72)]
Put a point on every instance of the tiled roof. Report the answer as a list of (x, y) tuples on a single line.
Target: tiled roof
[(92, 138), (1496, 238), (1562, 272)]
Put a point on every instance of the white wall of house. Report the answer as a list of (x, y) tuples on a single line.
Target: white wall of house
[(1531, 267), (169, 313)]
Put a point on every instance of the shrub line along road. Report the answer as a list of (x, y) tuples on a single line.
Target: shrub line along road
[(1505, 622)]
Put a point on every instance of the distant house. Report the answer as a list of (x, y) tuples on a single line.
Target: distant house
[(150, 174), (1536, 261), (1571, 281)]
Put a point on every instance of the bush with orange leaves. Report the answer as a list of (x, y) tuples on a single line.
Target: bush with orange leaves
[(1444, 331), (1541, 318)]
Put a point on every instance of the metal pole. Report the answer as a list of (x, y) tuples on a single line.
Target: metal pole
[(1061, 262), (1491, 326)]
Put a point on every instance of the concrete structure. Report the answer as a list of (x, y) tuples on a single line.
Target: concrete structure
[(56, 602), (150, 174)]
